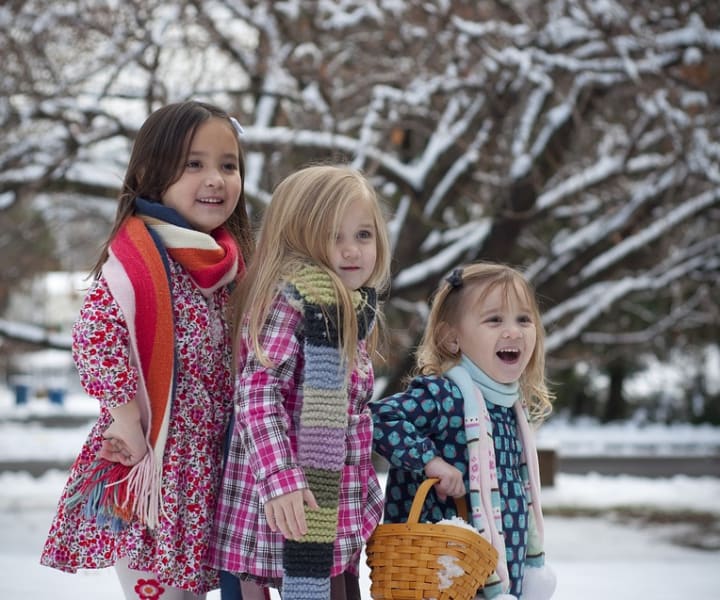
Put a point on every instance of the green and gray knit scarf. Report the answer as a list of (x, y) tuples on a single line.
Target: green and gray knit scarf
[(323, 423)]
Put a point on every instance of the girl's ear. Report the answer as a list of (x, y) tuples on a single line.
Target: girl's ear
[(448, 338)]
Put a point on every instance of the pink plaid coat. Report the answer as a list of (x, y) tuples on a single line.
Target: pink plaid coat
[(262, 457)]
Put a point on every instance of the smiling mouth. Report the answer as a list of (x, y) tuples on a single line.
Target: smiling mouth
[(509, 355), (210, 200)]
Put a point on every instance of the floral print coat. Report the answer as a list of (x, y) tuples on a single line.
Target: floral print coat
[(175, 550)]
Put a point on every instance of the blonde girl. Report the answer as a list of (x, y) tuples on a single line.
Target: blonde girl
[(300, 496), (464, 418)]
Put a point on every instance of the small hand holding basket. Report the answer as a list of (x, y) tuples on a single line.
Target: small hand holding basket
[(408, 561)]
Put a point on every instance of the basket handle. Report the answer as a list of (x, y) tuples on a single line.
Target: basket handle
[(419, 500)]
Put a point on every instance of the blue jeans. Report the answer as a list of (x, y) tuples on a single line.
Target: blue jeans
[(229, 587)]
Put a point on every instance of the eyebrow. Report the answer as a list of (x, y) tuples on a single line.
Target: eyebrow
[(522, 308), (232, 155)]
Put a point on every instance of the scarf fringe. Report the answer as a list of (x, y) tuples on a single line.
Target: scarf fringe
[(115, 493)]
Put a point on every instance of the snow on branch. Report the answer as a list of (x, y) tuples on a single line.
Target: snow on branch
[(566, 246), (695, 33), (604, 168), (442, 261), (533, 108), (448, 130), (327, 141), (683, 315), (595, 300), (650, 233), (461, 165), (492, 27)]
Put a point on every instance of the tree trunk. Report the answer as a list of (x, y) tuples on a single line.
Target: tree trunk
[(616, 407)]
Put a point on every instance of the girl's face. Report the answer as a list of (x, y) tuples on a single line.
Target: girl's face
[(208, 190), (496, 332), (355, 250)]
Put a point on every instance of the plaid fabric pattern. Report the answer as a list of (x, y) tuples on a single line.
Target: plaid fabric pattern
[(262, 460)]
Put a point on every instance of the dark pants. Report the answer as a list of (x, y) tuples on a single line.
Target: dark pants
[(229, 587), (345, 587)]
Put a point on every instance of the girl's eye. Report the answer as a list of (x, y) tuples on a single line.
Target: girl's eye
[(494, 319), (365, 234), (193, 164), (525, 319), (230, 167)]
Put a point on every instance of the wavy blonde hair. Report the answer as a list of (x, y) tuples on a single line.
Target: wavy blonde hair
[(433, 355), (299, 228)]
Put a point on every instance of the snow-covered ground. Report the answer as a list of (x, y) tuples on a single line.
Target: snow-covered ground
[(612, 551)]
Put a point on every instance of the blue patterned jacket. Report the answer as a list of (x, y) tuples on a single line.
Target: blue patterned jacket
[(410, 429)]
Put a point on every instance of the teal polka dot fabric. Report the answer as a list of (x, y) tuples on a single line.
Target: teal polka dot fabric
[(412, 428), (427, 420), (513, 503)]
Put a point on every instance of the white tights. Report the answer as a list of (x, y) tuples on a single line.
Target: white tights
[(143, 585)]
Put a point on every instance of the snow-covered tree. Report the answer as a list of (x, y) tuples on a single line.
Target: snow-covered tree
[(576, 139)]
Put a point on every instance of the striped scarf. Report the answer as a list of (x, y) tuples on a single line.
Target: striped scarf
[(307, 562), (138, 274), (485, 499)]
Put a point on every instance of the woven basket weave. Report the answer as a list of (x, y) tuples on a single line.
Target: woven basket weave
[(403, 557)]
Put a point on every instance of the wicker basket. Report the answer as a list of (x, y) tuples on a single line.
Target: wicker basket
[(403, 557)]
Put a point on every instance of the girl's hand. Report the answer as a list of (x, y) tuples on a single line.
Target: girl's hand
[(124, 441), (286, 513), (451, 479)]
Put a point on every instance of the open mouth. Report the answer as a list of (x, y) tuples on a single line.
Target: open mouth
[(210, 200), (508, 355)]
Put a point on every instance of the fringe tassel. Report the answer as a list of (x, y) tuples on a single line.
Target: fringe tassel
[(114, 493)]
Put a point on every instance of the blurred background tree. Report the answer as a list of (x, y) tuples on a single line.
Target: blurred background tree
[(575, 139)]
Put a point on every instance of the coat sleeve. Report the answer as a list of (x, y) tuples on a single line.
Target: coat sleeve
[(264, 399), (408, 424), (100, 348)]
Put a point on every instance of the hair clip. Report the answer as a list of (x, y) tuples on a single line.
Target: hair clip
[(236, 124), (455, 279)]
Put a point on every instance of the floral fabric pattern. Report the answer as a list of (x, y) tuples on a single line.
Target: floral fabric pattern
[(176, 549)]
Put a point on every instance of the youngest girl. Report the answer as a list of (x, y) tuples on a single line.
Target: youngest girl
[(464, 420)]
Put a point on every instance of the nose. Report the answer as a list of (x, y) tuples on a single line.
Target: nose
[(214, 179), (350, 250), (512, 331)]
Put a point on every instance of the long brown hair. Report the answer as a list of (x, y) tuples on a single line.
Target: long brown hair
[(156, 162)]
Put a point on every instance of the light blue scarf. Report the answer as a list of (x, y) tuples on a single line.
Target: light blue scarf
[(502, 394)]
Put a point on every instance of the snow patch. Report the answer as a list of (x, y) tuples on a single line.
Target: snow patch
[(450, 571)]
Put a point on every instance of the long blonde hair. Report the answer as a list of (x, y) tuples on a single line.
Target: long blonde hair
[(433, 355), (298, 228)]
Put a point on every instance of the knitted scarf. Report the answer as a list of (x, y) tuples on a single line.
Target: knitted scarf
[(138, 275), (485, 502), (307, 562)]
